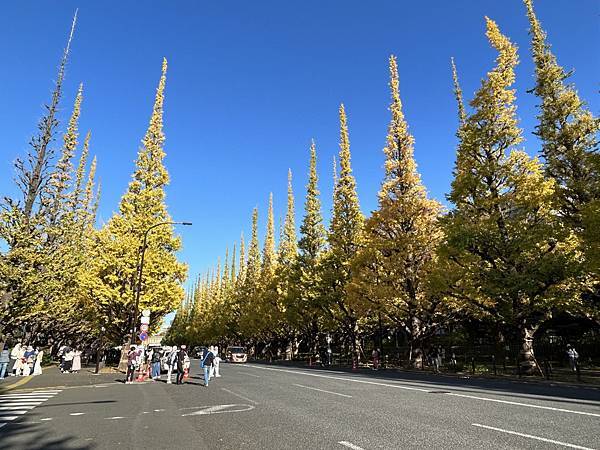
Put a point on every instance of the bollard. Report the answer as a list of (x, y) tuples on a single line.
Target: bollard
[(473, 365), (494, 364)]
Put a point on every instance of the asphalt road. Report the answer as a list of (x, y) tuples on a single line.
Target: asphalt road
[(265, 407)]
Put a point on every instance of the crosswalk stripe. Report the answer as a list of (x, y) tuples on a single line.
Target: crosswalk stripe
[(8, 408), (13, 406)]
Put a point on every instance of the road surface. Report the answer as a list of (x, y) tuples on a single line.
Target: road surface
[(255, 406)]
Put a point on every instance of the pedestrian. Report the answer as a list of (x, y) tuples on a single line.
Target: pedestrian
[(217, 363), (205, 364), (573, 357), (76, 364), (375, 357), (435, 359), (181, 356), (155, 358), (171, 362), (4, 361), (68, 359), (14, 354), (132, 357), (211, 371), (29, 356), (37, 366)]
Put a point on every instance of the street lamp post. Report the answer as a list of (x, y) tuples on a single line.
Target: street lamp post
[(328, 349), (140, 271)]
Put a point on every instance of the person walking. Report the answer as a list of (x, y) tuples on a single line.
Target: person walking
[(181, 356), (76, 364), (132, 357), (14, 355), (155, 364), (211, 371), (172, 363), (37, 366), (206, 364), (375, 356), (217, 363), (4, 361), (573, 357)]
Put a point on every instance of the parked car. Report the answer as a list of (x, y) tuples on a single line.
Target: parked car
[(236, 355)]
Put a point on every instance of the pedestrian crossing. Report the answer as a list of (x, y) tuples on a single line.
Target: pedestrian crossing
[(13, 406)]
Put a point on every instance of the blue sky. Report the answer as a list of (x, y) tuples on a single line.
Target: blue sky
[(250, 83)]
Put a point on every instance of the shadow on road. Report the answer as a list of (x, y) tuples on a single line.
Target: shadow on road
[(509, 388), (23, 436)]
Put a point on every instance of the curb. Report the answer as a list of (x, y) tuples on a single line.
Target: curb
[(15, 385)]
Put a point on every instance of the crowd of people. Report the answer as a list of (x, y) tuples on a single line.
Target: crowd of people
[(176, 360), (70, 359), (21, 360)]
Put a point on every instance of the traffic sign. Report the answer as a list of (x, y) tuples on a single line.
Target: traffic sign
[(146, 313), (145, 320), (143, 336), (144, 327)]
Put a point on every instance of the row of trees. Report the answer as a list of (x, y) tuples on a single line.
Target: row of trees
[(519, 246), (61, 279)]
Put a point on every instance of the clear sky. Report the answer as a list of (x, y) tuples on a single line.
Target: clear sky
[(251, 82)]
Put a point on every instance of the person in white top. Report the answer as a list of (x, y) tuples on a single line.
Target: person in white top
[(217, 361), (211, 370), (37, 367), (14, 357), (171, 361)]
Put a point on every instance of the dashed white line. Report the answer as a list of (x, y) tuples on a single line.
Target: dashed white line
[(322, 390), (114, 418), (350, 445), (354, 380), (537, 438), (528, 405), (77, 414), (240, 396), (397, 386), (46, 419)]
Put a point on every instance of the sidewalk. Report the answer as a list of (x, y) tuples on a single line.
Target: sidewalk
[(53, 378)]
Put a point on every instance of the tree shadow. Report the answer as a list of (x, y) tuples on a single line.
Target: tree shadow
[(18, 435), (534, 390)]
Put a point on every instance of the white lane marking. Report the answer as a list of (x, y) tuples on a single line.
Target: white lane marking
[(13, 396), (528, 405), (538, 438), (549, 408), (77, 414), (219, 409), (354, 380), (350, 445), (18, 411), (114, 418), (2, 424), (240, 396), (8, 408), (249, 374), (322, 390), (158, 410), (46, 419), (29, 402), (8, 418)]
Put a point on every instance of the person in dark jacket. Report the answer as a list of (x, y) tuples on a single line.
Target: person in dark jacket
[(181, 356), (132, 357), (206, 363), (155, 359)]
